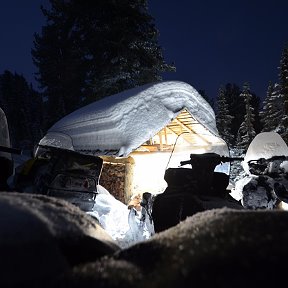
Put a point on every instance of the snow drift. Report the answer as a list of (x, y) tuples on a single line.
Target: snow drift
[(42, 237), (216, 248), (57, 245)]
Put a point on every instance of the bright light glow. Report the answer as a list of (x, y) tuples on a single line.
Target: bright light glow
[(149, 172), (284, 205), (150, 167)]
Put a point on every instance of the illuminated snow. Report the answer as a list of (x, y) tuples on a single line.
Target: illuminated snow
[(119, 124), (124, 225)]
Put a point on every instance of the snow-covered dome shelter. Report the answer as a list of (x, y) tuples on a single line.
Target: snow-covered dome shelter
[(6, 162), (138, 128)]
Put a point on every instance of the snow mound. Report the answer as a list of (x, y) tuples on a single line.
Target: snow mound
[(119, 124), (265, 145), (42, 237), (125, 226), (216, 248)]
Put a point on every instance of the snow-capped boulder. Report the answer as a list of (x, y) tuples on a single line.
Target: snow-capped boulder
[(42, 237), (216, 248)]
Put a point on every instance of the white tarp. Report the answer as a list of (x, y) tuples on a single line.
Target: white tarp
[(265, 145), (258, 192)]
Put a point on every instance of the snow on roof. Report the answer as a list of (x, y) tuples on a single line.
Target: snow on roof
[(119, 124)]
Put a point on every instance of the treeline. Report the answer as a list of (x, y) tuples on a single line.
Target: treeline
[(240, 114), (86, 51), (23, 107), (91, 49)]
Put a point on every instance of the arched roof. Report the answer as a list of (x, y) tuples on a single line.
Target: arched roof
[(119, 124)]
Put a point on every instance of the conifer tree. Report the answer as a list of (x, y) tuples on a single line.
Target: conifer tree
[(246, 131), (23, 109), (255, 103), (236, 106), (223, 117), (283, 81), (272, 110), (283, 77), (207, 98), (92, 49)]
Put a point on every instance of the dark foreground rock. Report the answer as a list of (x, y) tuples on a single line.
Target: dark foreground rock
[(45, 242), (43, 237), (216, 248)]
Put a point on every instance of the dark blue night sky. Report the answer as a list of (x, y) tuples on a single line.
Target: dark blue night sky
[(210, 42)]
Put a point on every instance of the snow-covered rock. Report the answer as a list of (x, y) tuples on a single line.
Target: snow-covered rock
[(42, 237), (216, 248)]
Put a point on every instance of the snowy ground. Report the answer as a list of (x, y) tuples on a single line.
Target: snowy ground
[(217, 248), (41, 238), (125, 226), (47, 242)]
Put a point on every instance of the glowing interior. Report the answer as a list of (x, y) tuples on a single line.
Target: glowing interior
[(174, 143)]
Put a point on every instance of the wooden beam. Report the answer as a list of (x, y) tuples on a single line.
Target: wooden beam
[(191, 130)]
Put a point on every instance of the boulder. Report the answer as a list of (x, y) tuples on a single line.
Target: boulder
[(42, 237), (217, 248)]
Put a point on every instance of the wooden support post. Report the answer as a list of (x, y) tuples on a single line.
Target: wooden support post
[(160, 138)]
